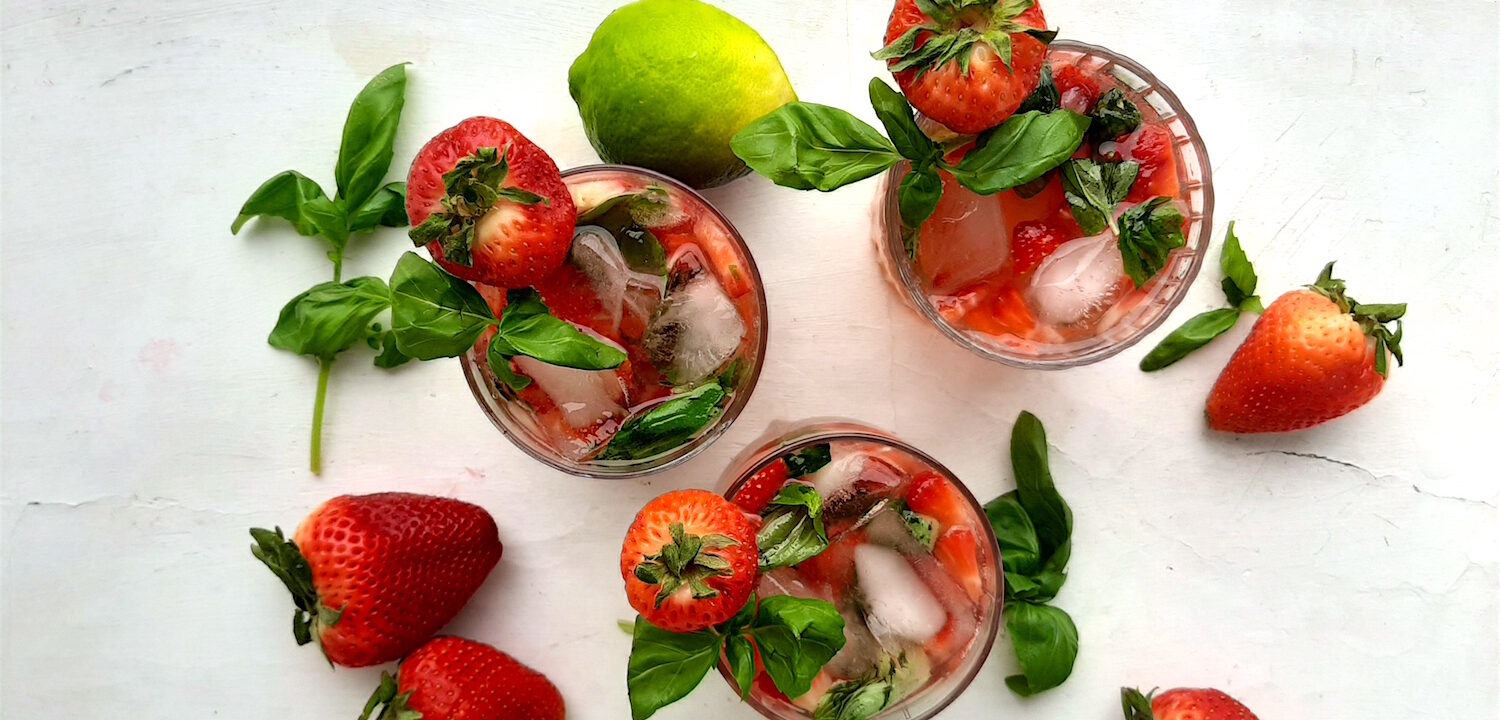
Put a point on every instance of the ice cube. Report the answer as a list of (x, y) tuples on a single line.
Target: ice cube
[(586, 397), (695, 330), (839, 474), (619, 288), (899, 606), (889, 529), (1079, 281), (964, 240), (590, 194), (861, 651), (959, 607), (786, 581)]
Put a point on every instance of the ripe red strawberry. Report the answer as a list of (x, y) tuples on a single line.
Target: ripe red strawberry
[(1151, 146), (1183, 704), (970, 64), (1078, 92), (452, 678), (374, 576), (933, 495), (958, 551), (1315, 354), (756, 493), (489, 204), (1032, 241), (689, 560)]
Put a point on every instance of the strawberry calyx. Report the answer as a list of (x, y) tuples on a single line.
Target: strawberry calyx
[(474, 185), (287, 562), (1137, 705), (956, 26), (395, 703), (1374, 319), (685, 561)]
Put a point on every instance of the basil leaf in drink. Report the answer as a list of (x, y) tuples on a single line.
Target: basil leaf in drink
[(665, 666), (434, 314), (857, 699), (741, 657), (370, 136), (665, 426), (1093, 189), (808, 460), (918, 196), (796, 637), (1046, 644), (922, 528), (625, 218), (1148, 233), (291, 196), (895, 114), (1194, 334), (1045, 98), (1239, 275), (1035, 492), (498, 355), (1114, 115), (330, 317), (1020, 150), (1020, 551), (793, 528), (386, 207), (809, 146), (528, 328), (390, 354)]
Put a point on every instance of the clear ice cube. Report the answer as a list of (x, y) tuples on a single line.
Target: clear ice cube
[(1078, 281), (586, 397), (899, 606), (619, 288), (964, 240), (695, 331), (889, 529), (861, 652)]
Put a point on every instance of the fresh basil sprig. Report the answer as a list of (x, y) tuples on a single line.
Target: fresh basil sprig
[(796, 638), (436, 315), (1034, 527), (1019, 150), (330, 317), (1114, 115), (1093, 189), (793, 527), (1148, 233), (665, 426), (1239, 290)]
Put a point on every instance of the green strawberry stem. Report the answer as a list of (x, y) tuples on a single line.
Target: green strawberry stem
[(1137, 705), (325, 365), (394, 702), (1374, 319)]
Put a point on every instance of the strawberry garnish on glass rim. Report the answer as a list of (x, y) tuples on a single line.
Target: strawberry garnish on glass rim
[(474, 186)]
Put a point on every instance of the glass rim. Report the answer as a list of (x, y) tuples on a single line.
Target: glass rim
[(474, 374), (854, 430), (912, 286)]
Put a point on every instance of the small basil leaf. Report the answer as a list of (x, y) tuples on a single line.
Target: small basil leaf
[(918, 196), (1118, 177), (1035, 491), (386, 207), (665, 666), (895, 114), (665, 426), (809, 146), (530, 329), (434, 314), (741, 656), (370, 136), (1020, 150), (1019, 549), (1194, 334), (1088, 198), (288, 195), (330, 317), (498, 355), (796, 637), (808, 460), (1045, 98), (1046, 644), (1239, 274), (1148, 233), (390, 354), (1114, 115), (855, 699), (793, 528)]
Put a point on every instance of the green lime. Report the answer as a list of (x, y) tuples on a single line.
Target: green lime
[(664, 84)]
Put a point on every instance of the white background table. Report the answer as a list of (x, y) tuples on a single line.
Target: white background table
[(1348, 571)]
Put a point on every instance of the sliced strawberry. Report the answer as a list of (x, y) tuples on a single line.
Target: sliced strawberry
[(1151, 146), (958, 551), (1011, 313), (933, 495), (1078, 91), (489, 204), (756, 493), (834, 568), (570, 296), (1033, 241)]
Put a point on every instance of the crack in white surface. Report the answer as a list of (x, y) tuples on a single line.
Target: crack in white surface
[(1344, 463)]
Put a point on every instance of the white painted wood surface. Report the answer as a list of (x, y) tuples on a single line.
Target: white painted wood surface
[(1349, 571)]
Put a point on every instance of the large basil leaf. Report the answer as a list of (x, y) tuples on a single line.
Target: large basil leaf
[(1046, 644), (1194, 334), (741, 657), (917, 196), (386, 207), (330, 317), (1035, 492), (528, 328), (434, 314), (793, 528), (370, 136), (665, 426), (809, 146), (1020, 150), (665, 666), (293, 197), (1019, 550), (895, 114), (1148, 233), (796, 637), (1239, 275)]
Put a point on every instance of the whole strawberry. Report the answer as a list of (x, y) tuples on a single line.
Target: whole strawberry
[(451, 678), (489, 204), (374, 576), (967, 64), (1183, 704), (689, 560), (1314, 355)]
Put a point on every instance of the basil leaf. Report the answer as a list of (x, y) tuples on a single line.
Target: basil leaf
[(665, 666), (1046, 97), (291, 196), (434, 314), (370, 136), (1093, 189), (1148, 233), (330, 317), (1046, 643), (1020, 551), (390, 355), (498, 355), (1194, 334), (809, 146), (1035, 492), (1114, 115), (808, 460), (793, 528), (386, 207), (1239, 275), (665, 426), (1020, 150), (796, 637), (918, 196), (855, 700), (529, 328), (895, 114), (741, 656)]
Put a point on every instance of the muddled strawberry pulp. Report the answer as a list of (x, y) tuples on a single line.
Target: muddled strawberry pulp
[(1015, 267), (654, 271), (909, 565)]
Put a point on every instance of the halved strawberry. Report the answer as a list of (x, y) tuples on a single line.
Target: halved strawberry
[(1151, 146), (1011, 313), (489, 204), (969, 64), (933, 495), (756, 493), (957, 550), (689, 560), (1032, 241)]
